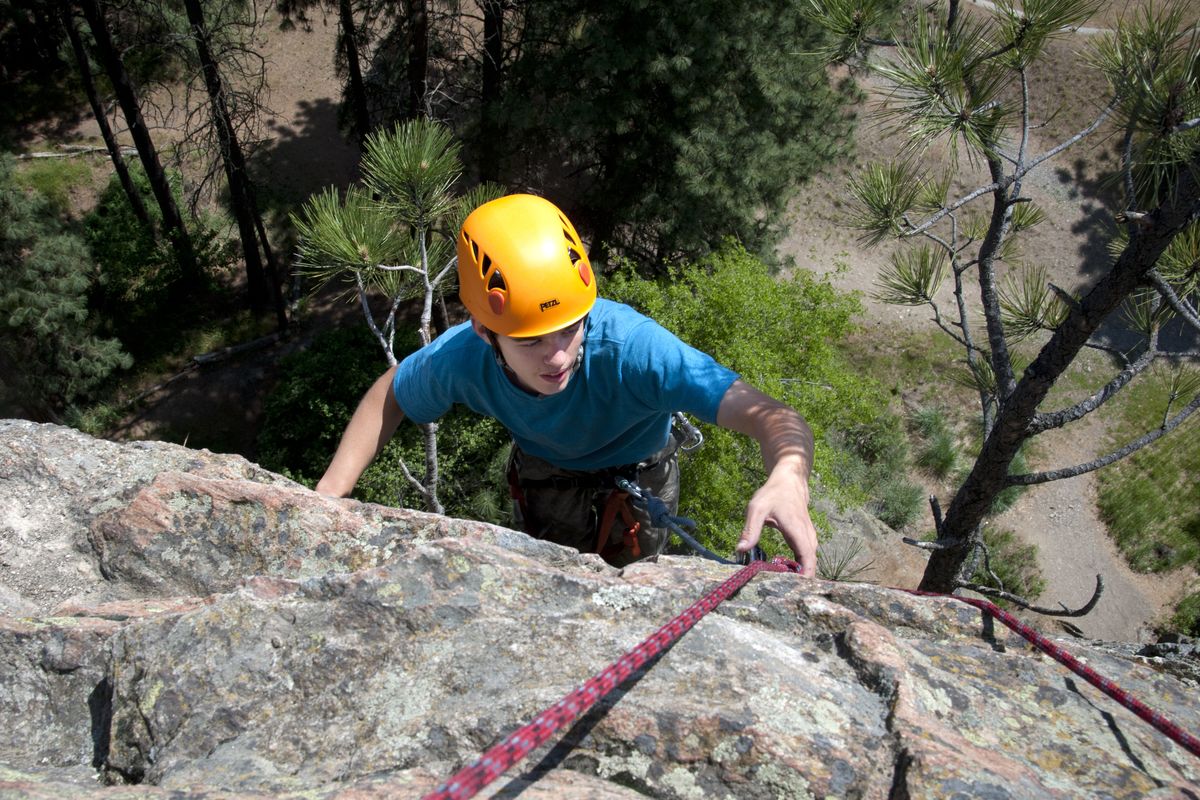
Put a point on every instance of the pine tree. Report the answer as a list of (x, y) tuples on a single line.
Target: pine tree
[(394, 236), (964, 82), (50, 354), (673, 124)]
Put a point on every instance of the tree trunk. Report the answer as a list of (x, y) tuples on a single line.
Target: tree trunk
[(358, 93), (172, 220), (1012, 425), (493, 57), (262, 286), (417, 22), (110, 141)]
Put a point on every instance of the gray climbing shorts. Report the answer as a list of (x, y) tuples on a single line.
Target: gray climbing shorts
[(569, 507)]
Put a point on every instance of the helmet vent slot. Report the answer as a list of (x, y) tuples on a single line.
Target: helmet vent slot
[(474, 251), (496, 281)]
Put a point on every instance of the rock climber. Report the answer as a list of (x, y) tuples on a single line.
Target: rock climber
[(586, 387)]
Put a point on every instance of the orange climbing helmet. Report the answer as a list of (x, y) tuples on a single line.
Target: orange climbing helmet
[(522, 270)]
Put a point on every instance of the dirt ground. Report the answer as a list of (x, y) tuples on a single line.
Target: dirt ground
[(1060, 518)]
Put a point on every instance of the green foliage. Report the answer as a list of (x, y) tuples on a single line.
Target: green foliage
[(1186, 619), (138, 292), (939, 451), (1148, 500), (1013, 562), (53, 179), (944, 86), (912, 277), (317, 392), (472, 455), (395, 234), (1028, 304), (51, 354), (1150, 63), (698, 126), (780, 336), (843, 559), (851, 26), (884, 194), (898, 501)]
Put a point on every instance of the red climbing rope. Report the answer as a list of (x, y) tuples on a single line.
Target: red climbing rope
[(492, 764), (518, 744), (1164, 725)]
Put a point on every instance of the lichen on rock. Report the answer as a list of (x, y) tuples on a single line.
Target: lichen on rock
[(194, 624)]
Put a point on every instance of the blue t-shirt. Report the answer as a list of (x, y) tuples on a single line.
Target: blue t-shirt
[(615, 410)]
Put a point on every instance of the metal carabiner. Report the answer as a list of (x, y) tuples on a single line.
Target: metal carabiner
[(695, 437), (755, 553)]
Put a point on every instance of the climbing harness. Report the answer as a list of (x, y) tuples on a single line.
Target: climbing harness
[(496, 761), (620, 530), (617, 503)]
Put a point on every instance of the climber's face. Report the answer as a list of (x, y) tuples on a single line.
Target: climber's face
[(540, 364)]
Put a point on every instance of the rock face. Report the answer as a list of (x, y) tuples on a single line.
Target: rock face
[(182, 624)]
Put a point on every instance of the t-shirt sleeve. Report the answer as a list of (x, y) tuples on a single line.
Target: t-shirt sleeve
[(669, 375), (420, 388)]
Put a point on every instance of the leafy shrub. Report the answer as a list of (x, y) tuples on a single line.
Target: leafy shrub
[(898, 501), (51, 352), (1186, 619), (939, 451), (780, 335)]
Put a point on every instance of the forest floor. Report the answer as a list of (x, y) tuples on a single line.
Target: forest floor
[(306, 152)]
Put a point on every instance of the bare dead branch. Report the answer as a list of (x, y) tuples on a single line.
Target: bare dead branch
[(1056, 419), (1017, 175), (1113, 351), (1083, 610), (413, 481), (1052, 152), (940, 544), (1033, 478)]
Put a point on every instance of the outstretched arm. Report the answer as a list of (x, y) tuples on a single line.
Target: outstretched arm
[(787, 448), (373, 423)]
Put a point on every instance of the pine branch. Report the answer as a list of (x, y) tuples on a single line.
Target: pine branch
[(1057, 419), (1032, 479), (1182, 308)]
